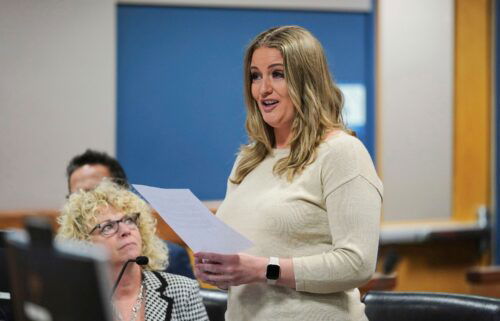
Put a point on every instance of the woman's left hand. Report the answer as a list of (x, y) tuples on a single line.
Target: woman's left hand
[(224, 270)]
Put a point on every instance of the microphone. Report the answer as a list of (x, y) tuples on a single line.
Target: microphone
[(140, 260)]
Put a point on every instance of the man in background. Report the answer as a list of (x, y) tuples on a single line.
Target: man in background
[(86, 171)]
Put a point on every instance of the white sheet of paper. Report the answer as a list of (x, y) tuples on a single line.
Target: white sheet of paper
[(192, 221)]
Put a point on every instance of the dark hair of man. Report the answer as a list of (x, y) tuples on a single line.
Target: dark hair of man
[(92, 157)]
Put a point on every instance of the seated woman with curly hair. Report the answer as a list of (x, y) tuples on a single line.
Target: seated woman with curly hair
[(123, 223)]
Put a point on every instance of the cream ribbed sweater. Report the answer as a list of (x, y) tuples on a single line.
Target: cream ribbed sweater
[(326, 219)]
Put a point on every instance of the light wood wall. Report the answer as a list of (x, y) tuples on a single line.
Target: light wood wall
[(435, 266), (471, 172), (443, 266)]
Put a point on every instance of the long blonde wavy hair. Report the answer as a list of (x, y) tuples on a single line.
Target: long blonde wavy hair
[(79, 215), (317, 101)]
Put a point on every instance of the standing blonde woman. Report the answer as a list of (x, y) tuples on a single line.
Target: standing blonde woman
[(303, 190), (122, 222)]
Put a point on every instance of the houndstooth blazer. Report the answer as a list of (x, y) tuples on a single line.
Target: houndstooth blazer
[(171, 297)]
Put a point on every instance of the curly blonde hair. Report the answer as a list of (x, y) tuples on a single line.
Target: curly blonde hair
[(79, 216), (317, 101)]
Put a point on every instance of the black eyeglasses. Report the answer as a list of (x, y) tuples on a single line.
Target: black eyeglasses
[(109, 228)]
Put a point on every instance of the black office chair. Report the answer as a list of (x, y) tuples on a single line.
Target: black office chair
[(215, 302), (5, 304), (426, 306)]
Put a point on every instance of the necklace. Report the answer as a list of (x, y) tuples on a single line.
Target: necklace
[(135, 309)]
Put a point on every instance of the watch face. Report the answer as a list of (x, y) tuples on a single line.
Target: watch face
[(273, 272)]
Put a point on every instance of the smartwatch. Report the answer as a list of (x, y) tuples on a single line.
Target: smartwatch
[(273, 270)]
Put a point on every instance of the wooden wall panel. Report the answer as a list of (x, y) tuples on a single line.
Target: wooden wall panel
[(434, 267), (471, 173)]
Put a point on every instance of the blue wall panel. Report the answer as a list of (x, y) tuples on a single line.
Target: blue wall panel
[(180, 104)]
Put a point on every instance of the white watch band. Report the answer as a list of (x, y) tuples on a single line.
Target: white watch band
[(274, 261)]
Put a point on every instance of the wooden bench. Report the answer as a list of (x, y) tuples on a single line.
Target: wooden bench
[(484, 280), (15, 219)]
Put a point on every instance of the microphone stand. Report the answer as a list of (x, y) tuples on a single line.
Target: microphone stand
[(140, 260)]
